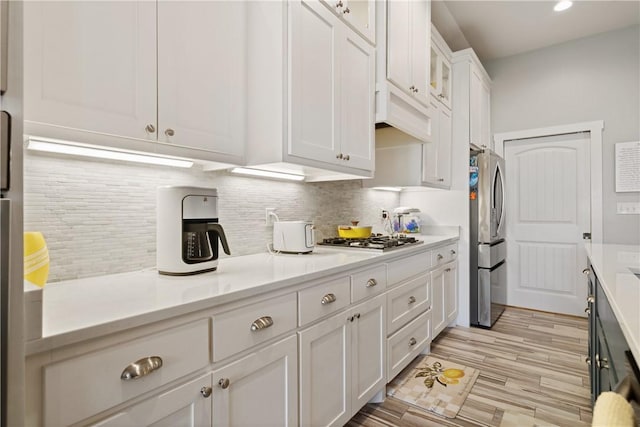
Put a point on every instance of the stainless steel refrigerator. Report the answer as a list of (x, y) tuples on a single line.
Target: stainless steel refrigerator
[(11, 225), (488, 269)]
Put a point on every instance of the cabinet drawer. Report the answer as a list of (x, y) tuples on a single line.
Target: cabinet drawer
[(77, 388), (444, 254), (323, 299), (407, 301), (245, 327), (402, 269), (407, 343), (367, 283)]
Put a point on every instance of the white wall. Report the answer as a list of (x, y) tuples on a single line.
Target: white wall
[(99, 217), (594, 78)]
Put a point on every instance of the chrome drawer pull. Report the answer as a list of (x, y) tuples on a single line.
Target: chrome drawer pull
[(141, 367), (453, 252), (412, 342), (587, 360), (206, 391), (447, 270), (587, 310), (224, 382), (328, 299), (440, 256), (602, 363), (262, 323), (412, 299), (591, 299), (371, 283), (586, 271)]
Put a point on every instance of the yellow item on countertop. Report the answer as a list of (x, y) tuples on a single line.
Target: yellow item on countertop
[(611, 409), (36, 258)]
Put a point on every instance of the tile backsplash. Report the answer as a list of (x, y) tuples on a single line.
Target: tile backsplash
[(99, 217)]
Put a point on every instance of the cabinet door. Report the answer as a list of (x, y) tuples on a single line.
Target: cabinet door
[(368, 342), (314, 81), (438, 310), (444, 78), (357, 94), (398, 44), (325, 380), (430, 149), (485, 115), (187, 405), (260, 389), (419, 48), (362, 15), (202, 75), (91, 66), (444, 147), (451, 292)]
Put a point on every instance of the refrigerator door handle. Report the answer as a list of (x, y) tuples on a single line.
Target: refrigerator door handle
[(5, 150), (499, 179)]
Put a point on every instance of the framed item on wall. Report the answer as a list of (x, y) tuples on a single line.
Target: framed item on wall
[(627, 155)]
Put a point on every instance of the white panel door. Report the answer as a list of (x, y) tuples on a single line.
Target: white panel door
[(451, 292), (420, 42), (325, 372), (262, 388), (548, 200), (187, 405), (202, 75), (357, 96), (315, 32), (475, 107), (91, 66), (438, 310)]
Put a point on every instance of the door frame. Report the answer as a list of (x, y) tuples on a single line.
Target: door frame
[(595, 129)]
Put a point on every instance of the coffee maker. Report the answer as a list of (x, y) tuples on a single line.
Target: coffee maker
[(188, 231)]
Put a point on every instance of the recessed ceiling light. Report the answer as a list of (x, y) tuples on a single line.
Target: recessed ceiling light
[(562, 5)]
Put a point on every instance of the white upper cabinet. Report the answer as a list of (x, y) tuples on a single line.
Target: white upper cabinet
[(321, 85), (436, 155), (165, 77), (408, 43), (471, 99), (441, 77), (402, 66), (91, 66), (359, 14), (201, 77)]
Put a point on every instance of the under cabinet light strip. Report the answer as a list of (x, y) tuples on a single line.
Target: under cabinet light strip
[(63, 147), (397, 189), (267, 174)]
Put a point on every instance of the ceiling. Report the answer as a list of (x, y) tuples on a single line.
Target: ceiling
[(496, 29)]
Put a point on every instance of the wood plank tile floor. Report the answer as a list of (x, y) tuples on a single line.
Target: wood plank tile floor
[(532, 373)]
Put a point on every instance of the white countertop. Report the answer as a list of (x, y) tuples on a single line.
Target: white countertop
[(612, 265), (76, 310)]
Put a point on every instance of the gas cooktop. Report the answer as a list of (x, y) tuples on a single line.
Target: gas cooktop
[(381, 243)]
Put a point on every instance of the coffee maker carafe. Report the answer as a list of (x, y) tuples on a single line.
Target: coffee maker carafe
[(188, 231)]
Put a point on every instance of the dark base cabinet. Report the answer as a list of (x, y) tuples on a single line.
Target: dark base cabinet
[(608, 349)]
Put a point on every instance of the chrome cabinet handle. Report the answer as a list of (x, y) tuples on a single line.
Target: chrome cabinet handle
[(339, 156), (412, 299), (416, 90), (339, 4), (150, 128), (587, 360), (586, 271), (223, 383), (350, 318), (328, 299), (412, 342), (347, 10), (346, 157), (412, 88), (602, 363), (588, 311), (141, 368), (371, 283), (262, 323), (591, 299), (357, 316), (447, 270), (169, 132), (206, 391), (453, 252), (440, 257), (440, 179)]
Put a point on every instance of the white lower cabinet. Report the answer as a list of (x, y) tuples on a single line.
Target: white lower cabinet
[(444, 296), (342, 364), (260, 389), (407, 343), (188, 405)]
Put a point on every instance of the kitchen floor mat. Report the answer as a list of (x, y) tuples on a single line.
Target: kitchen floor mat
[(438, 386)]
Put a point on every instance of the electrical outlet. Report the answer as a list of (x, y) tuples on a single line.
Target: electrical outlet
[(269, 216)]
